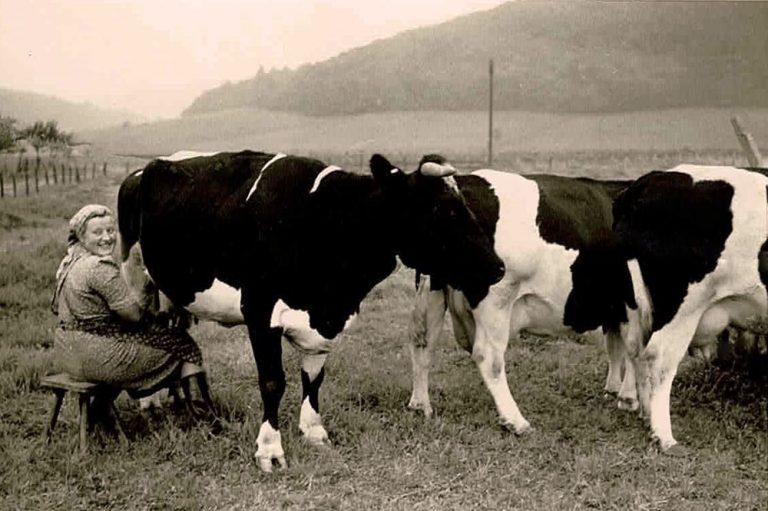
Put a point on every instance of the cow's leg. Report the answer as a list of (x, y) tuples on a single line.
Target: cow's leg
[(625, 388), (614, 346), (492, 328), (310, 422), (627, 399), (656, 368), (426, 326), (267, 351)]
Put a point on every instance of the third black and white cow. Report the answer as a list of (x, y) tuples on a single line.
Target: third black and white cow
[(290, 246), (539, 224), (681, 264)]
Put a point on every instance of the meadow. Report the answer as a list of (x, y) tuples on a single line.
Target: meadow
[(583, 454)]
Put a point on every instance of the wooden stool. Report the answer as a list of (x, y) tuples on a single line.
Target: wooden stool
[(60, 384)]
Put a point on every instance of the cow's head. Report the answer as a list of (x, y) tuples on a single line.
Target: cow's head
[(602, 288), (436, 233)]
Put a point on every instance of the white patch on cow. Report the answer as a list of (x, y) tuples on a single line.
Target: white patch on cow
[(297, 330), (538, 272), (186, 155), (276, 157), (327, 170), (269, 447), (220, 303), (139, 173), (311, 424)]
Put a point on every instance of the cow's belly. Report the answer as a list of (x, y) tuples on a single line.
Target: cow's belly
[(533, 314), (219, 303)]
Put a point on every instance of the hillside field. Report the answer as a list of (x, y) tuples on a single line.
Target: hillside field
[(583, 454)]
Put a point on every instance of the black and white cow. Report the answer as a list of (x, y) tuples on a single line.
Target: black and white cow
[(681, 265), (290, 246), (539, 224)]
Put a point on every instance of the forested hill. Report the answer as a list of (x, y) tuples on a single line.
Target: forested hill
[(573, 56)]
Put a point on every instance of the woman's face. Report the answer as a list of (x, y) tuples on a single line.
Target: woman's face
[(100, 235)]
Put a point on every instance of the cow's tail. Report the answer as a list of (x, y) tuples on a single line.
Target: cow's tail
[(129, 213)]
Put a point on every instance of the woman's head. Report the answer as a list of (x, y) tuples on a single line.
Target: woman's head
[(94, 228)]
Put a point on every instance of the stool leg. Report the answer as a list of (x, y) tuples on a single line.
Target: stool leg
[(84, 405), (55, 409)]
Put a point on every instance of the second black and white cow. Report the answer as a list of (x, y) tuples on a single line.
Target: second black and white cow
[(539, 224), (290, 246), (681, 264)]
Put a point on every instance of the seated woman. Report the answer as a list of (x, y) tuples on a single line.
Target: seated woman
[(102, 334)]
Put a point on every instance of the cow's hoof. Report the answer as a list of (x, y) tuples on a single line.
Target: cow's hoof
[(628, 404), (317, 436), (266, 463), (518, 429), (424, 408)]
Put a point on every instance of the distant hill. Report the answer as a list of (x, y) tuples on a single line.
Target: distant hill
[(570, 56), (28, 107)]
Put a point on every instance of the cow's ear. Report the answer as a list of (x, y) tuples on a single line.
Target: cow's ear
[(383, 171)]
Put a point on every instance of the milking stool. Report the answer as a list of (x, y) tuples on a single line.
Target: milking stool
[(60, 384)]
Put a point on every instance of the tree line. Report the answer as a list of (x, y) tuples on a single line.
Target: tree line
[(39, 134)]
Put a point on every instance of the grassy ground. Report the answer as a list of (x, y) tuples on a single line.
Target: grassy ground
[(583, 454)]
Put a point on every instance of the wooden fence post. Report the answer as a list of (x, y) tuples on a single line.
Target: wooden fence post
[(93, 170), (77, 174), (69, 171), (53, 169), (2, 185), (26, 180), (13, 178), (37, 185), (104, 169), (45, 173), (747, 143)]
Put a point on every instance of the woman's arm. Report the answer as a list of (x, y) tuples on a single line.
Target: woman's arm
[(109, 283)]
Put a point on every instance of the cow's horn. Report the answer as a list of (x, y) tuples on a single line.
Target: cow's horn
[(431, 168)]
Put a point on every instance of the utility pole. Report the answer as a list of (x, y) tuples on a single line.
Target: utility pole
[(490, 112)]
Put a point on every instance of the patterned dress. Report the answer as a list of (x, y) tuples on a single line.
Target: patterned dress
[(94, 344)]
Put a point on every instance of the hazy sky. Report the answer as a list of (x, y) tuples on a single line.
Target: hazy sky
[(155, 56)]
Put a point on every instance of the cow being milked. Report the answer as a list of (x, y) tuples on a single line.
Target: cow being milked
[(681, 265), (290, 246), (539, 224)]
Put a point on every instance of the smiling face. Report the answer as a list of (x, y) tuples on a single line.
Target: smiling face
[(100, 235)]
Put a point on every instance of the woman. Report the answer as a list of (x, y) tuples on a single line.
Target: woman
[(102, 334)]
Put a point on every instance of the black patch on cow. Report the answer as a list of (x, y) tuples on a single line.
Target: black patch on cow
[(602, 287), (676, 228), (575, 212)]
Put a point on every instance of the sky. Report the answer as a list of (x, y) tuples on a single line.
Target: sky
[(153, 57)]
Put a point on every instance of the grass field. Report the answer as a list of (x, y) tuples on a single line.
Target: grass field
[(584, 453)]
